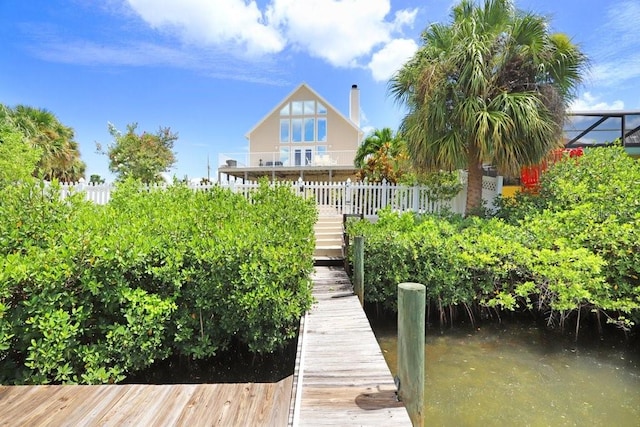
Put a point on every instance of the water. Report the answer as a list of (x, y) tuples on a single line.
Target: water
[(504, 375)]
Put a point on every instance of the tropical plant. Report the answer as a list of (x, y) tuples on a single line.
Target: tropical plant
[(567, 252), (387, 164), (490, 87), (60, 155), (486, 267), (382, 156), (17, 158), (140, 156), (372, 144)]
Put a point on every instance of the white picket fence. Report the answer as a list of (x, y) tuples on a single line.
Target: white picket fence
[(335, 197)]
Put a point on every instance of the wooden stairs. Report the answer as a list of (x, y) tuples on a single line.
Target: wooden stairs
[(329, 240)]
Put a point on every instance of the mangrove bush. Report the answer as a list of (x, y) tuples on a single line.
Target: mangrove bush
[(569, 250), (91, 294)]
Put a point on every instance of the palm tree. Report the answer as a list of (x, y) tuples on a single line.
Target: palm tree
[(491, 87), (60, 155), (372, 145)]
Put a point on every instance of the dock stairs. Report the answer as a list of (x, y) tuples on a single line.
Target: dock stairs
[(329, 240)]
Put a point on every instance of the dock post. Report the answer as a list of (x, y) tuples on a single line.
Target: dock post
[(358, 268), (411, 319)]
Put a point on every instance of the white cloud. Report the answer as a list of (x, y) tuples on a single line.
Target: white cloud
[(215, 62), (612, 74), (405, 17), (215, 22), (340, 32), (385, 62), (242, 39), (614, 54), (588, 102), (93, 54)]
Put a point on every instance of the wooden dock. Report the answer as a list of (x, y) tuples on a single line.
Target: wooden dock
[(251, 404), (342, 377)]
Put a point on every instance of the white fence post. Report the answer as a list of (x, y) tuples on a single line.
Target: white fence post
[(416, 198), (347, 197)]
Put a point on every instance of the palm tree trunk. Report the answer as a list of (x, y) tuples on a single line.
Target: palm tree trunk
[(474, 183)]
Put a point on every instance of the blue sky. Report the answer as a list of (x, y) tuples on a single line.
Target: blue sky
[(211, 69)]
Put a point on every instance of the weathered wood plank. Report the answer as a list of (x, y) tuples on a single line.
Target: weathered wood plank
[(344, 378), (264, 404)]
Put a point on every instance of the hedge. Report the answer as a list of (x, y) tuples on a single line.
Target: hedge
[(570, 249), (91, 294)]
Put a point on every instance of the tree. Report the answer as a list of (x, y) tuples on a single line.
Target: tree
[(373, 143), (491, 87), (60, 156), (144, 156), (96, 179), (386, 164), (17, 158), (381, 156)]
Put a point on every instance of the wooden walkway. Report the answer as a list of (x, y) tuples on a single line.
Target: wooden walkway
[(342, 377), (147, 405)]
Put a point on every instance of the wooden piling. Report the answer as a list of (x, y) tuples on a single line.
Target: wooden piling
[(358, 268), (411, 324)]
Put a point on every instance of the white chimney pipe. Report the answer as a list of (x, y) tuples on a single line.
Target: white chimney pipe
[(354, 105)]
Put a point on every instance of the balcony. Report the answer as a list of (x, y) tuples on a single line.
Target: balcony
[(303, 162)]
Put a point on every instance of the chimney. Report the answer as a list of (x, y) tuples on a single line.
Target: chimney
[(354, 105)]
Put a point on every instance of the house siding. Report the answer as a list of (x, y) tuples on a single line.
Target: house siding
[(342, 135)]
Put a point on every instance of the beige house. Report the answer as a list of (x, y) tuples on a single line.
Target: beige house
[(302, 137)]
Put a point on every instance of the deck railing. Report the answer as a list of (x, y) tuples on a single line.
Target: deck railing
[(298, 156)]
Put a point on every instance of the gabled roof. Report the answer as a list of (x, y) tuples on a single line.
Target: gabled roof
[(279, 105)]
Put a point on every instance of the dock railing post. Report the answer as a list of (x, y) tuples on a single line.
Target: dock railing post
[(358, 268), (411, 320)]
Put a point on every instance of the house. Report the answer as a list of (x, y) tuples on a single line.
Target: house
[(302, 137)]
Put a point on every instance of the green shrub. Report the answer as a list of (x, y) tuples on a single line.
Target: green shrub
[(92, 293), (485, 264), (572, 247), (592, 202)]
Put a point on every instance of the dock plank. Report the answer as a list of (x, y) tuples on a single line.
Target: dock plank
[(250, 404), (344, 378)]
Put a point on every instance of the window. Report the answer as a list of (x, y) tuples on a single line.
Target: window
[(284, 156), (296, 108), (284, 130), (309, 129), (309, 108), (296, 130), (322, 130), (300, 122)]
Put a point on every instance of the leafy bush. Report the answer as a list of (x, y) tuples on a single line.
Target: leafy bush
[(592, 202), (484, 266), (572, 247), (93, 293)]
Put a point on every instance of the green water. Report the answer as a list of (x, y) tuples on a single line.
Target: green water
[(501, 375)]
